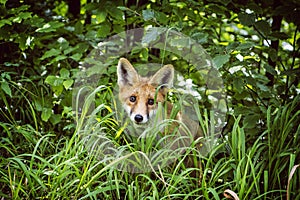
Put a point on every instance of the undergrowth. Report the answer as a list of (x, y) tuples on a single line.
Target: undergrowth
[(36, 164)]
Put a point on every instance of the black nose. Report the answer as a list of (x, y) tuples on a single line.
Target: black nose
[(138, 118)]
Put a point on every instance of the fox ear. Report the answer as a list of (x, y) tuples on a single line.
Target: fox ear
[(163, 77), (126, 73)]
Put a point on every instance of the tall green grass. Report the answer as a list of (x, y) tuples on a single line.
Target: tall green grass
[(40, 165)]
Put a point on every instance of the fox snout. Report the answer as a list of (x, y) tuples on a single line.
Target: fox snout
[(138, 118)]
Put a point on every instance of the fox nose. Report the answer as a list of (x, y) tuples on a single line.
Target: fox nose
[(138, 118)]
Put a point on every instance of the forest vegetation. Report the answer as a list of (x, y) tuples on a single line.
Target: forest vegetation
[(45, 45)]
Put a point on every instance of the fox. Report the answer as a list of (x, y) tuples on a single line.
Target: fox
[(141, 97), (144, 101)]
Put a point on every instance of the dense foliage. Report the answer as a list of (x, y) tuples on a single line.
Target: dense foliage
[(255, 45)]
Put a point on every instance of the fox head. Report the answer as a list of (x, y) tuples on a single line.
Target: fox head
[(140, 95)]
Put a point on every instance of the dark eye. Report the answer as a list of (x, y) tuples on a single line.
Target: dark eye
[(150, 101), (132, 98)]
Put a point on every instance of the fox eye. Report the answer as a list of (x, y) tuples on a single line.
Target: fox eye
[(150, 101), (132, 98)]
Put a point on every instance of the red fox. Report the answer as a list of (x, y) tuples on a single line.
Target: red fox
[(141, 96)]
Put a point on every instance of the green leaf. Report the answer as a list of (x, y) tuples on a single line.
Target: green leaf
[(263, 87), (50, 79), (58, 89), (64, 73), (104, 30), (3, 2), (273, 54), (136, 50), (246, 19), (67, 112), (148, 14), (46, 114), (151, 35), (145, 54), (55, 118), (200, 37), (101, 16), (54, 81), (21, 16), (38, 105), (70, 49), (123, 8), (24, 42), (78, 27), (238, 84), (251, 120), (6, 75), (76, 56), (9, 64), (151, 14), (59, 57), (241, 95), (4, 22), (82, 48), (263, 27), (161, 17), (270, 69), (115, 12), (50, 53), (68, 83), (18, 9), (247, 45), (49, 27), (220, 60), (5, 87)]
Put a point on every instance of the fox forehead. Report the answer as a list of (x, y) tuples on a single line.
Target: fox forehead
[(143, 91)]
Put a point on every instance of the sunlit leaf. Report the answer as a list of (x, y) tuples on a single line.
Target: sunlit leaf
[(104, 30), (123, 8), (59, 57), (58, 89), (53, 80), (64, 73), (50, 53), (3, 2), (148, 14), (46, 114), (49, 27), (76, 56), (68, 83), (4, 22), (5, 87), (101, 16), (220, 60)]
